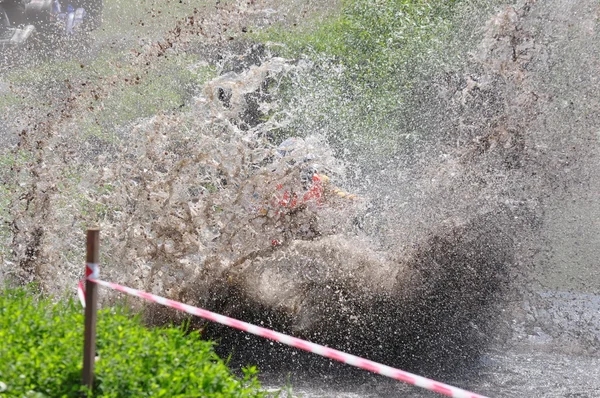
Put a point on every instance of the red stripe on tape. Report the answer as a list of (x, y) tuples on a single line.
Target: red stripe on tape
[(176, 305), (146, 296), (206, 314), (370, 366), (269, 334), (402, 376), (441, 389), (234, 323), (303, 345), (333, 354), (81, 293)]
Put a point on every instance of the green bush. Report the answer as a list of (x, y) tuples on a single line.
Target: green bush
[(367, 61), (42, 344), (371, 38)]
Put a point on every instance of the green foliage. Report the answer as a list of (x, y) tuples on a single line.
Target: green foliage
[(367, 60), (42, 345), (371, 38)]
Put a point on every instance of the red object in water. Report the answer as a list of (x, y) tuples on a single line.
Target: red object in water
[(314, 193), (316, 190)]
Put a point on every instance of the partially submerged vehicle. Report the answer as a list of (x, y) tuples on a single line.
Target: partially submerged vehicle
[(46, 20)]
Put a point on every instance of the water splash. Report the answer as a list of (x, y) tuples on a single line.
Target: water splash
[(190, 200)]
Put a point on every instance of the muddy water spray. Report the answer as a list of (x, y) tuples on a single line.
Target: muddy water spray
[(189, 200)]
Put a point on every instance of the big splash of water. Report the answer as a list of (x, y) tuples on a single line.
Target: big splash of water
[(455, 240)]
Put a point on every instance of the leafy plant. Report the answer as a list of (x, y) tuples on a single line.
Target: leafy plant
[(363, 66), (41, 355)]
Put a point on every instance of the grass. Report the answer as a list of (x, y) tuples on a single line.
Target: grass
[(369, 37), (367, 61), (42, 345)]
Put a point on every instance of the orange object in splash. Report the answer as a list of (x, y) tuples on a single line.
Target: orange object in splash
[(314, 193)]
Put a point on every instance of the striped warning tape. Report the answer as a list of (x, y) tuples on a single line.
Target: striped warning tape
[(330, 353), (81, 293), (92, 270)]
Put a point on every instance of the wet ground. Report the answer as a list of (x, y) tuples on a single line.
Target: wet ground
[(534, 364), (526, 372)]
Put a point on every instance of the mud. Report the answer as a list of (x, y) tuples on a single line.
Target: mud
[(444, 254)]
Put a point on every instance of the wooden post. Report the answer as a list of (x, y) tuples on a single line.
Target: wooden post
[(91, 308)]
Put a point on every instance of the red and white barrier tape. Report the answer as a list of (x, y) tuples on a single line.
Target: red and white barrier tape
[(92, 270), (349, 359), (81, 292)]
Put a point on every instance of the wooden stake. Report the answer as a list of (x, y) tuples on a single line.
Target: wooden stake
[(91, 308)]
